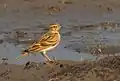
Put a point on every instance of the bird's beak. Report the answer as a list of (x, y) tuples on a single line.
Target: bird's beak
[(59, 26), (22, 55)]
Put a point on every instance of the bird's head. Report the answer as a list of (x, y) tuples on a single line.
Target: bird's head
[(54, 27)]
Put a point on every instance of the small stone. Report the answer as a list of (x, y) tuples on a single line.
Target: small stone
[(61, 65)]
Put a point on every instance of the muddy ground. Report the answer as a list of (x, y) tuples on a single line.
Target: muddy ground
[(90, 29), (64, 70)]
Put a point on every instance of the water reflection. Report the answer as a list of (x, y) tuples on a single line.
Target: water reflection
[(12, 52)]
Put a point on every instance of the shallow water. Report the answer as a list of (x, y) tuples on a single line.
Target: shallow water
[(10, 51)]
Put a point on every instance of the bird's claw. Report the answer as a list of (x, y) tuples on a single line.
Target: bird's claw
[(50, 63)]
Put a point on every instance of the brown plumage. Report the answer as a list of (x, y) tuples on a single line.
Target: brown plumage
[(47, 42)]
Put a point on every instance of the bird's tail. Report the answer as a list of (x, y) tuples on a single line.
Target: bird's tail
[(23, 54)]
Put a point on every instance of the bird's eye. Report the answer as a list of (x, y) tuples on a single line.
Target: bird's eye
[(55, 26)]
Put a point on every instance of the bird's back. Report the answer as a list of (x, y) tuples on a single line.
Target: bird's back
[(45, 42)]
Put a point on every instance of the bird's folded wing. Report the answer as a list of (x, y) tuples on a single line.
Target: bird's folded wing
[(33, 47), (37, 43), (51, 40), (46, 41)]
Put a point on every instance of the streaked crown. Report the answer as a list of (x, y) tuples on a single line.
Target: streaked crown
[(55, 27)]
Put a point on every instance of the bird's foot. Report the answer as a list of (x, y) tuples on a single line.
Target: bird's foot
[(51, 62)]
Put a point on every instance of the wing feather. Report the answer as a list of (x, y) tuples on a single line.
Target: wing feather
[(47, 40)]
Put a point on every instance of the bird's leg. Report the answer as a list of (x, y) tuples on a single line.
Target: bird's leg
[(46, 57)]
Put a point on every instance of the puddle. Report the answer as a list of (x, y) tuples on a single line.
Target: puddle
[(10, 51)]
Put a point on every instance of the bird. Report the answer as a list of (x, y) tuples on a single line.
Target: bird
[(45, 43)]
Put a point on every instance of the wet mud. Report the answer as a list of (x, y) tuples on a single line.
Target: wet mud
[(102, 70)]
